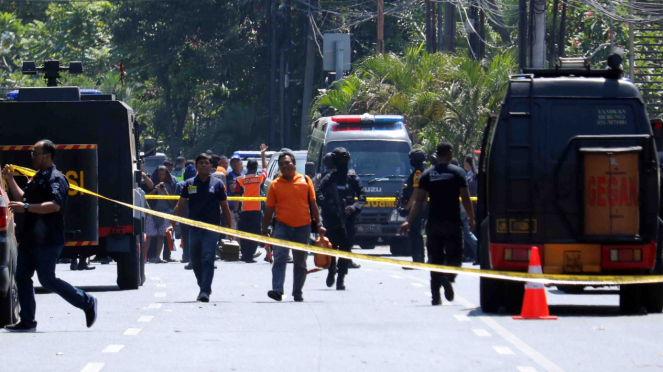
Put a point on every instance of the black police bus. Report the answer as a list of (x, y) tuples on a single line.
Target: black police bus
[(570, 166), (379, 146), (97, 149)]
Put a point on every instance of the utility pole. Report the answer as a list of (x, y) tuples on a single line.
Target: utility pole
[(562, 30), (429, 39), (284, 79), (380, 44), (631, 45), (539, 45), (449, 38), (553, 33), (309, 70), (433, 28), (522, 35), (440, 30), (482, 34), (272, 74)]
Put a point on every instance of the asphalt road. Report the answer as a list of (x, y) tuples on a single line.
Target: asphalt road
[(383, 322)]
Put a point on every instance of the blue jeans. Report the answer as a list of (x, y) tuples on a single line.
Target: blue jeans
[(202, 251), (468, 237), (297, 235), (43, 260)]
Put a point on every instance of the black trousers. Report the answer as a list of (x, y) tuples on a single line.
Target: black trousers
[(445, 247), (340, 241), (416, 239), (251, 222)]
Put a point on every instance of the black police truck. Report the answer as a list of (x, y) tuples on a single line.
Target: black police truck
[(97, 149), (379, 146), (570, 167)]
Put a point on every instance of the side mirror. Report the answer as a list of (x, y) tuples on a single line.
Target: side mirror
[(310, 169)]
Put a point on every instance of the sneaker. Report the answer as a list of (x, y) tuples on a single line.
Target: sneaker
[(188, 266), (91, 314), (203, 297), (353, 265), (299, 299), (277, 296), (21, 327)]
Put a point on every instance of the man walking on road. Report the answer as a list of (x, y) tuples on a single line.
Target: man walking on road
[(444, 183), (42, 237), (292, 197), (204, 194)]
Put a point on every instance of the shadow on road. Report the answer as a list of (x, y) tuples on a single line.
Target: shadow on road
[(567, 311), (91, 288), (590, 292)]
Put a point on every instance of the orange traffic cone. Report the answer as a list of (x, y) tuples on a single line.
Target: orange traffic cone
[(535, 305)]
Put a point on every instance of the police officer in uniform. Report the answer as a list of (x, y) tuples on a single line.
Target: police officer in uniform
[(336, 196), (417, 161), (329, 166), (42, 237)]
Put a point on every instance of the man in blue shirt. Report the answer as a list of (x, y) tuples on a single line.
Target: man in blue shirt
[(204, 194)]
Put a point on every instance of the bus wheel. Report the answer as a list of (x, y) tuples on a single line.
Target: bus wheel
[(652, 297), (571, 289), (490, 293), (128, 267), (630, 299)]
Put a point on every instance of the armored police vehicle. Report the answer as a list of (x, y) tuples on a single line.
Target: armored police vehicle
[(379, 146), (570, 167), (97, 149)]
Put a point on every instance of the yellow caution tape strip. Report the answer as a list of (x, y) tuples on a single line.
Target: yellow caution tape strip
[(504, 275), (262, 198)]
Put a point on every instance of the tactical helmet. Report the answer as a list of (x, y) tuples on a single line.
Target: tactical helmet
[(418, 155), (327, 160), (340, 153)]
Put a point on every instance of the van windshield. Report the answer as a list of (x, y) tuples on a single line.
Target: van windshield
[(376, 159)]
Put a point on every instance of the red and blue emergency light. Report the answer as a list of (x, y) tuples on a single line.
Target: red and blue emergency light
[(343, 121)]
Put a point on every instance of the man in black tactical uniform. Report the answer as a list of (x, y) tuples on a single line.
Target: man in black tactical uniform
[(336, 196), (42, 237), (417, 161)]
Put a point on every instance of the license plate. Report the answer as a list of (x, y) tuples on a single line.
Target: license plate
[(369, 228), (572, 262)]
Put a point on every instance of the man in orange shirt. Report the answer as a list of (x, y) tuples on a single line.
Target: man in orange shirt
[(250, 218), (292, 197)]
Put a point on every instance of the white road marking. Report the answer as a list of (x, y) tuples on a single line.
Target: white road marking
[(428, 294), (396, 276), (481, 332), (160, 294), (132, 332), (418, 285), (526, 369), (461, 317), (113, 348), (503, 350), (161, 285), (156, 278), (93, 367), (155, 306), (145, 318), (521, 345)]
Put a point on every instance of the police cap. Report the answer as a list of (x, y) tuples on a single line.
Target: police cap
[(418, 155)]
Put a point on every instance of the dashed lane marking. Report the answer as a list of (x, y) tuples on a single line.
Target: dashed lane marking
[(93, 367), (428, 294), (160, 294), (418, 285), (396, 276), (132, 332), (461, 317), (161, 285), (481, 332), (113, 348), (526, 369), (155, 306), (521, 345), (145, 318), (503, 350), (155, 278)]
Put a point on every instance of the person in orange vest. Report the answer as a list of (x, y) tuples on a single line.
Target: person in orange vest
[(250, 219)]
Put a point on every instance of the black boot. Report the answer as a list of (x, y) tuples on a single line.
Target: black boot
[(340, 285), (331, 278)]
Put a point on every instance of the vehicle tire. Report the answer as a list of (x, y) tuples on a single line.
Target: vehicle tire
[(652, 297), (9, 308), (630, 299), (514, 292), (367, 246), (571, 289), (141, 258), (398, 246), (128, 267), (490, 294)]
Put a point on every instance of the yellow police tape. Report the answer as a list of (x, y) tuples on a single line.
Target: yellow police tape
[(505, 275), (262, 198)]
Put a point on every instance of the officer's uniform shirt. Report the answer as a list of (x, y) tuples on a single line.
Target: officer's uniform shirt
[(443, 184), (412, 183), (43, 230), (249, 185), (348, 188), (204, 198)]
